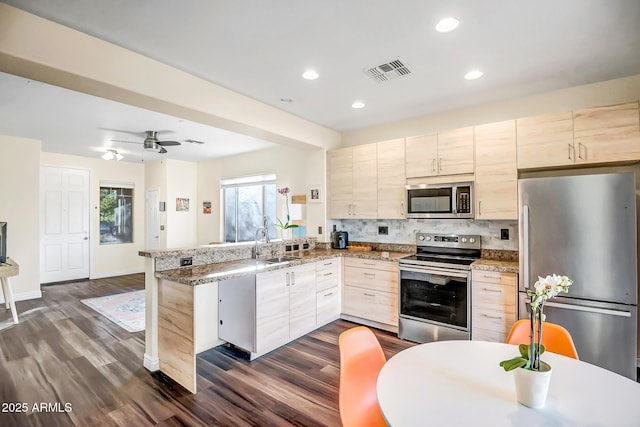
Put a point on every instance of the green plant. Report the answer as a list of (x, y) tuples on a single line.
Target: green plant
[(544, 289), (284, 225)]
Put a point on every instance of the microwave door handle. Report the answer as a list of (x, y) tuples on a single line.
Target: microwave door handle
[(454, 200)]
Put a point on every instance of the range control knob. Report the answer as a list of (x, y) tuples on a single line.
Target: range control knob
[(428, 238), (463, 240), (472, 239), (421, 237)]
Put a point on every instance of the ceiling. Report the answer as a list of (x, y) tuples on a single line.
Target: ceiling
[(260, 49)]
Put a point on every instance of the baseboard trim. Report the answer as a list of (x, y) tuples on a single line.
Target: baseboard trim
[(117, 273), (152, 363), (24, 296)]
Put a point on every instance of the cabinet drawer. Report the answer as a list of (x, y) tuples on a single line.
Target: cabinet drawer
[(492, 320), (493, 296), (384, 281), (502, 278), (327, 305), (478, 334), (371, 264), (327, 274), (371, 305)]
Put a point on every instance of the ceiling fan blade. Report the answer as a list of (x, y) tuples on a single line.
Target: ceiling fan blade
[(128, 142), (167, 143), (194, 141)]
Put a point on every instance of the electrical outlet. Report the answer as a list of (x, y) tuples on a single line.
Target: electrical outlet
[(185, 262), (383, 230), (504, 234)]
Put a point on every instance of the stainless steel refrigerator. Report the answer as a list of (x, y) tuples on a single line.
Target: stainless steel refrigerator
[(584, 227)]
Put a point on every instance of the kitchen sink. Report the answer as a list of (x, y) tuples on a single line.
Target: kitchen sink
[(280, 259)]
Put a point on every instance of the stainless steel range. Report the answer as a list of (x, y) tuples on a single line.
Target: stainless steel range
[(435, 288)]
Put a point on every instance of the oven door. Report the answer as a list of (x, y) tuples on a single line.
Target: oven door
[(434, 295)]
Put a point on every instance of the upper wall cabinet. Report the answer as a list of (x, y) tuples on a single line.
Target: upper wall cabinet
[(445, 153), (607, 134), (391, 179), (593, 135), (352, 182), (496, 179)]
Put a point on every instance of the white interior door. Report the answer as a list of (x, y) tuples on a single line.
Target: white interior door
[(153, 219), (64, 224)]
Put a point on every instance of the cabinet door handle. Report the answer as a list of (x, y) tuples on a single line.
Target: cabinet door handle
[(329, 294), (433, 165), (492, 290), (479, 207), (369, 263), (287, 279), (440, 164), (580, 151), (370, 274), (490, 317), (293, 278), (328, 263), (369, 295), (328, 274), (572, 150)]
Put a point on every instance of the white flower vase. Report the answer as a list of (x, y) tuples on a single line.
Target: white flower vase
[(532, 386), (286, 233)]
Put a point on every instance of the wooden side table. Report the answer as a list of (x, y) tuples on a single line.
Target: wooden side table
[(10, 269)]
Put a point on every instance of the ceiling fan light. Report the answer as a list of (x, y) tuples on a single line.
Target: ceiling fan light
[(108, 155), (119, 156)]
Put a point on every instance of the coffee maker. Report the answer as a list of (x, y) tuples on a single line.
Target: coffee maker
[(340, 240)]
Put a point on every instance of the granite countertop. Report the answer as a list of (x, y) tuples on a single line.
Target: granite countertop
[(201, 274), (502, 266)]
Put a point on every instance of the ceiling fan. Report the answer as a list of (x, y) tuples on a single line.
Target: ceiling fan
[(151, 141)]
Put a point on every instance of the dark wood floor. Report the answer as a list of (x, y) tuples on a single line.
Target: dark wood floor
[(64, 353)]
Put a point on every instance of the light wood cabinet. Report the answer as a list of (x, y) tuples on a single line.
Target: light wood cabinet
[(285, 305), (496, 179), (445, 153), (607, 134), (589, 136), (391, 179), (421, 155), (493, 304), (328, 291), (352, 182), (370, 291)]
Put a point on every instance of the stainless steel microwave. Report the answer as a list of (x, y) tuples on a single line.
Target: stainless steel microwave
[(440, 200)]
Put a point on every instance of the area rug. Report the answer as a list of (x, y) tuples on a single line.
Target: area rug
[(126, 309)]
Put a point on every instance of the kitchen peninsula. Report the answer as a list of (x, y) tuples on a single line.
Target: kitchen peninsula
[(182, 302)]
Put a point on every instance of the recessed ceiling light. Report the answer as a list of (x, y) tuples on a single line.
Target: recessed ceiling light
[(473, 74), (447, 24), (286, 100), (310, 75), (358, 104)]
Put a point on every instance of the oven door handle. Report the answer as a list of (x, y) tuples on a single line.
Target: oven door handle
[(446, 273)]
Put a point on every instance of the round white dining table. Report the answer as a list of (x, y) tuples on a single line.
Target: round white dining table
[(460, 383)]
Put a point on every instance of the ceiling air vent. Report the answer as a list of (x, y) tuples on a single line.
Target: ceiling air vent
[(389, 70)]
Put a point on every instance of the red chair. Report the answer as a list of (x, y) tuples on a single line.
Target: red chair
[(361, 359), (555, 338)]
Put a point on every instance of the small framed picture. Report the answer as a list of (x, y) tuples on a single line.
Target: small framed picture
[(314, 194), (206, 207), (182, 205)]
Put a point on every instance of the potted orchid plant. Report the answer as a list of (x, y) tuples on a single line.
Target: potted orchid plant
[(285, 225), (529, 360)]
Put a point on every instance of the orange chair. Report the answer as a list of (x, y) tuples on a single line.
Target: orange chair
[(361, 359), (555, 338)]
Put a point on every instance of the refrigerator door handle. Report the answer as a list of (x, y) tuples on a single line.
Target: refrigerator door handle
[(620, 313), (525, 244)]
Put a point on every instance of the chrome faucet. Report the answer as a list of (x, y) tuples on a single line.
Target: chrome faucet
[(264, 232)]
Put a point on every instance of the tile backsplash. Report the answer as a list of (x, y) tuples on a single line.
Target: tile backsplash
[(404, 231)]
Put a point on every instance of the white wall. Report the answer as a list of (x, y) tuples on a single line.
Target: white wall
[(117, 259), (19, 208), (181, 227), (593, 95), (294, 168)]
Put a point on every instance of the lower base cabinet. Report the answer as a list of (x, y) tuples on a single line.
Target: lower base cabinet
[(493, 304)]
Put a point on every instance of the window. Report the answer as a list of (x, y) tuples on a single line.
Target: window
[(246, 202), (116, 213)]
